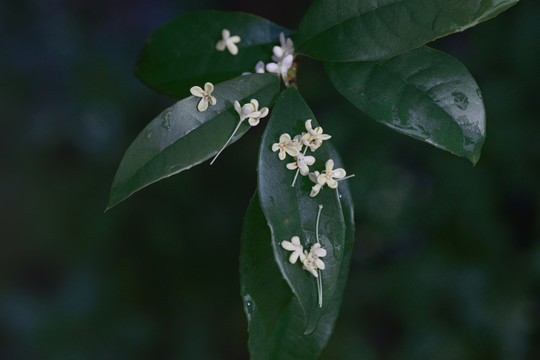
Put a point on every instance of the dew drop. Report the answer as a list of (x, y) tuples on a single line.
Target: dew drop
[(479, 93), (166, 120), (248, 306), (340, 196), (148, 134)]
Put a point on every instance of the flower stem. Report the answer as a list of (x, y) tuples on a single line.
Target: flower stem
[(227, 143), (346, 177), (317, 225), (319, 278), (319, 287)]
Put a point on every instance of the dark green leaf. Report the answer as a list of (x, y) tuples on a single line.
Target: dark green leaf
[(182, 53), (275, 317), (348, 30), (181, 136), (424, 93), (291, 211)]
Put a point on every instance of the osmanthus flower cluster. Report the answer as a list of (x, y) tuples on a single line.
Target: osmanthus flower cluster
[(311, 261), (283, 61), (297, 147)]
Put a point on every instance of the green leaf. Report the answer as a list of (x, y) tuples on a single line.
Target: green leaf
[(424, 93), (182, 53), (275, 317), (181, 136), (348, 30), (290, 211)]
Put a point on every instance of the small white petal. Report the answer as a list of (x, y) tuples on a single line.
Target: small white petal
[(281, 155), (220, 46), (287, 61), (253, 121), (310, 160), (235, 39), (237, 107), (329, 165), (213, 100), (331, 183), (264, 112), (197, 91), (292, 166), (315, 190), (208, 88), (294, 257), (313, 176), (275, 147), (339, 173), (304, 170), (203, 105), (233, 49), (278, 52), (287, 245), (272, 68), (320, 264), (259, 68)]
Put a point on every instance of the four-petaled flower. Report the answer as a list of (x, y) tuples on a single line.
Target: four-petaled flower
[(302, 163), (281, 68), (294, 246), (330, 175), (286, 146), (228, 42), (205, 95), (314, 137), (250, 111), (312, 260)]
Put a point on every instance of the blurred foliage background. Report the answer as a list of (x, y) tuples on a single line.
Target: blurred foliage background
[(447, 256)]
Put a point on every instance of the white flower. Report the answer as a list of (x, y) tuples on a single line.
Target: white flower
[(302, 163), (228, 42), (314, 137), (281, 68), (317, 187), (250, 111), (330, 176), (312, 260), (205, 95), (294, 246), (259, 67), (283, 57), (285, 146)]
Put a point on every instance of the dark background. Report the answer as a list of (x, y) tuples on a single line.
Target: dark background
[(446, 263)]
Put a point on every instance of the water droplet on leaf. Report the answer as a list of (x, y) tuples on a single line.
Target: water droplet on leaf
[(148, 134)]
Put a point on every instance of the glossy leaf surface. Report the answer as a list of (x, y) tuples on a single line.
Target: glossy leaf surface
[(182, 53), (348, 30), (181, 136), (290, 211), (424, 93), (275, 318)]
